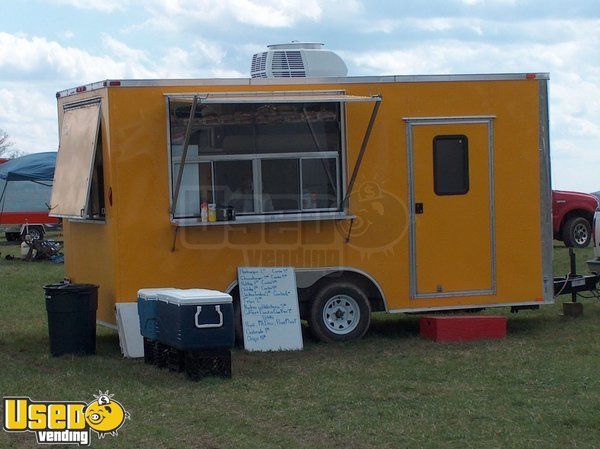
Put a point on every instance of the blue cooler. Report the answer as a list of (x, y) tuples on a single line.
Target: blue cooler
[(195, 319), (146, 300)]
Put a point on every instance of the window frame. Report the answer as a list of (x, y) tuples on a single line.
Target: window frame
[(257, 176), (465, 158), (296, 215)]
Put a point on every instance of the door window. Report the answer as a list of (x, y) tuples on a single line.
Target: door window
[(450, 165)]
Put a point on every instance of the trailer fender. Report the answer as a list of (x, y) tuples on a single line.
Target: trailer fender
[(308, 279)]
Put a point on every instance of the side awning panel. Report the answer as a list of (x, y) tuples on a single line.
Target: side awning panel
[(273, 97), (75, 160)]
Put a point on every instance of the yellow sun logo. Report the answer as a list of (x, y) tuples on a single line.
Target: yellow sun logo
[(105, 415)]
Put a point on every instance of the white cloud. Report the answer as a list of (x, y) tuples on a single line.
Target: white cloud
[(29, 116), (574, 87), (460, 36), (32, 69), (107, 6), (38, 58), (121, 51), (173, 14)]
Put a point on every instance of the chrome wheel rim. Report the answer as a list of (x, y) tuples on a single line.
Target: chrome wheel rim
[(580, 234), (35, 234), (341, 314)]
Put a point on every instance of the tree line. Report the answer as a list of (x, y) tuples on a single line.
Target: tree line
[(6, 147)]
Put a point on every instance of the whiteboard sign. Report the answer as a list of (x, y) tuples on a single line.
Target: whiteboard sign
[(270, 313)]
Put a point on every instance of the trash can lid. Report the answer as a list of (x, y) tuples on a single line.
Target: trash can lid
[(152, 293), (195, 296), (70, 287)]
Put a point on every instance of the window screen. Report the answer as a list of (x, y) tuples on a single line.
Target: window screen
[(319, 184), (234, 185), (280, 185), (450, 165)]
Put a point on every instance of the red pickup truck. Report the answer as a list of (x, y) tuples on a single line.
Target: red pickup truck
[(572, 217)]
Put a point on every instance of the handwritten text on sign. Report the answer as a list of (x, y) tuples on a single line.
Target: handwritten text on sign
[(270, 314)]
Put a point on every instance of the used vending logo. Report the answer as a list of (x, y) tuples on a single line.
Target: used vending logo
[(64, 422)]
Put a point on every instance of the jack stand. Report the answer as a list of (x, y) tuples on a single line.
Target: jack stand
[(573, 309)]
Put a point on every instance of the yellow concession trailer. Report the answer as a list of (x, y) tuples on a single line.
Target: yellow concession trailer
[(394, 193)]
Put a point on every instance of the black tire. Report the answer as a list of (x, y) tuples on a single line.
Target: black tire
[(338, 298), (577, 232), (11, 236)]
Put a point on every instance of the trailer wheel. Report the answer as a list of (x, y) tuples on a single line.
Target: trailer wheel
[(35, 232), (11, 236), (340, 311), (577, 232)]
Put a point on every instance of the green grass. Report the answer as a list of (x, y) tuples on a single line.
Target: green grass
[(538, 388)]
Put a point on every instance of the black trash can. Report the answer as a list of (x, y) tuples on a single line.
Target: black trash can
[(72, 318)]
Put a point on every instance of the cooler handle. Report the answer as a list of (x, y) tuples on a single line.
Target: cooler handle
[(210, 325)]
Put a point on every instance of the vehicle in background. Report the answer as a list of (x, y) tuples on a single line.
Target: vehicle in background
[(24, 211), (25, 188), (572, 216)]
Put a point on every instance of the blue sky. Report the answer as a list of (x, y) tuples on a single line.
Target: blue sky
[(49, 45)]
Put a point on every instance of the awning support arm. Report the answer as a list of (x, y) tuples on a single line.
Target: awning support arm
[(186, 143), (361, 153)]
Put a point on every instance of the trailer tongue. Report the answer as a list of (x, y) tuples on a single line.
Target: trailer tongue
[(574, 284)]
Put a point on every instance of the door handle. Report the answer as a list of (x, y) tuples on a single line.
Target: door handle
[(418, 208)]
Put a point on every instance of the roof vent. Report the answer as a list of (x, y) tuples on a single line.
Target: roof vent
[(297, 60)]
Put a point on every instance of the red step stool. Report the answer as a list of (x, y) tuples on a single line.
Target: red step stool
[(462, 328)]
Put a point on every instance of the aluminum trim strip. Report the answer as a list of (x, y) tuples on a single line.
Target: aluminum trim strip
[(492, 199), (454, 119), (545, 193), (467, 306), (423, 121), (272, 97), (310, 81), (258, 219), (486, 292), (81, 104), (252, 156)]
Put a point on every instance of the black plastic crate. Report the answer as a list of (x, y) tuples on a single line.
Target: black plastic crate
[(149, 346), (200, 364), (176, 360), (161, 353)]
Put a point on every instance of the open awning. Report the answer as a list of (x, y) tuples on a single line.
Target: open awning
[(75, 161), (272, 97)]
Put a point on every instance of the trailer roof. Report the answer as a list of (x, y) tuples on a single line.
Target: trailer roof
[(301, 81)]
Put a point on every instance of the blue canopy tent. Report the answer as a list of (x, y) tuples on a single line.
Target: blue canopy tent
[(34, 174), (33, 167)]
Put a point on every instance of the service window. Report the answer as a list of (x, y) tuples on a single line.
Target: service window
[(451, 165), (78, 187), (258, 158)]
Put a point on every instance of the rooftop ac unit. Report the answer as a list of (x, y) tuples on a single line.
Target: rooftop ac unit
[(297, 59)]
